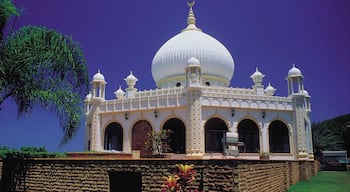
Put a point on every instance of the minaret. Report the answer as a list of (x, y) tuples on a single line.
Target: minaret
[(194, 132), (301, 125), (93, 126)]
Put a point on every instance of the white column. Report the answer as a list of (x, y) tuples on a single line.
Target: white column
[(265, 137)]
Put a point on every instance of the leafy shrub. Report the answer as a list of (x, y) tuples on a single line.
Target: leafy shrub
[(27, 152)]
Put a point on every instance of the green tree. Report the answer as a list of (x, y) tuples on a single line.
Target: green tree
[(6, 10), (331, 134), (40, 66)]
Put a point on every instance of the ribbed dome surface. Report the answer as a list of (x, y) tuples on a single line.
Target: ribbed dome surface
[(171, 59)]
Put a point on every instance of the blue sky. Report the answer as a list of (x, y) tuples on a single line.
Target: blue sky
[(119, 36)]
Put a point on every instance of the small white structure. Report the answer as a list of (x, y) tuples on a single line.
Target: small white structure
[(192, 71)]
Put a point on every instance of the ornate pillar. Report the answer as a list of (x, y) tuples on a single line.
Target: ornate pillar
[(195, 131), (299, 124)]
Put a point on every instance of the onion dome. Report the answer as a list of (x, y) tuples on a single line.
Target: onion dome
[(257, 77), (169, 63), (193, 62), (119, 93), (270, 91), (131, 80), (98, 77), (294, 72)]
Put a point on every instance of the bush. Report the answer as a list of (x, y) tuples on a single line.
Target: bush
[(27, 152)]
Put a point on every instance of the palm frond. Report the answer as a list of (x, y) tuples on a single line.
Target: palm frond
[(42, 66), (7, 9)]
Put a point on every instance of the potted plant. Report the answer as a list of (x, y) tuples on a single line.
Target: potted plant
[(157, 142)]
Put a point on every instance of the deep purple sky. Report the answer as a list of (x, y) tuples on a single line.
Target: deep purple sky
[(119, 36)]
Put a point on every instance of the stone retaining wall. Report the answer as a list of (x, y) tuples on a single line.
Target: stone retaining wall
[(95, 174)]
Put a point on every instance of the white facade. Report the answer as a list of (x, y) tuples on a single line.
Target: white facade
[(192, 71)]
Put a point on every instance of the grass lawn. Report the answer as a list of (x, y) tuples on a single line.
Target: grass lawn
[(327, 181)]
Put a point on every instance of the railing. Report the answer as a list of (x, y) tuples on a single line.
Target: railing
[(147, 99), (174, 97)]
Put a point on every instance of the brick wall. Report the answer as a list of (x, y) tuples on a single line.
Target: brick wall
[(94, 174), (293, 172)]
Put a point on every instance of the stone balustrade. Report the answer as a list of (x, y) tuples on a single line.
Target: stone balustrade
[(211, 96)]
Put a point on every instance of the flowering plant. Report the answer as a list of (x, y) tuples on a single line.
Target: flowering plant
[(180, 180), (171, 183)]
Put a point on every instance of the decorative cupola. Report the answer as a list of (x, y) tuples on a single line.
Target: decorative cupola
[(131, 82), (98, 86), (193, 73), (270, 91), (257, 78), (295, 81), (307, 100), (87, 103), (119, 94)]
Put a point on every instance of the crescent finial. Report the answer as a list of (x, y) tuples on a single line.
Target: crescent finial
[(190, 4)]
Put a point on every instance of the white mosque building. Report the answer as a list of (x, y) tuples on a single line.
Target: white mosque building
[(192, 71)]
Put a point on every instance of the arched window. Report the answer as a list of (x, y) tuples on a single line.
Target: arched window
[(279, 137), (114, 137), (248, 133), (177, 136), (215, 131), (139, 137)]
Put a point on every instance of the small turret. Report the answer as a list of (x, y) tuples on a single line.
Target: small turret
[(257, 78), (193, 73), (98, 86), (119, 93), (295, 81), (131, 82), (270, 91)]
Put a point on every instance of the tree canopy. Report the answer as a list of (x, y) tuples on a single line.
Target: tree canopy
[(40, 66), (332, 134)]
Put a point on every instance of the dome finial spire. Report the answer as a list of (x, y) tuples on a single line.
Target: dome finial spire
[(191, 19)]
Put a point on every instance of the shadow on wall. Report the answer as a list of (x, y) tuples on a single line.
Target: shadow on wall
[(13, 174)]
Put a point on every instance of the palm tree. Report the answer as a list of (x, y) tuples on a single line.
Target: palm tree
[(6, 10), (40, 66)]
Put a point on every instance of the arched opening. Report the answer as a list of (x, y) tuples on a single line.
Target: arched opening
[(215, 131), (248, 133), (177, 136), (114, 137), (279, 137), (178, 84), (207, 83), (139, 137)]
